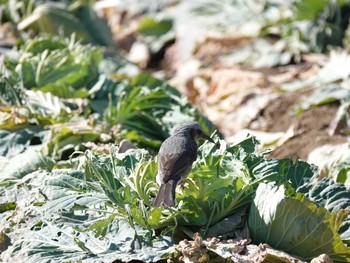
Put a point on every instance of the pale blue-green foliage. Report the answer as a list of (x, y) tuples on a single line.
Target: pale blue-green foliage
[(102, 210), (146, 108), (295, 224), (57, 63), (304, 214), (63, 216)]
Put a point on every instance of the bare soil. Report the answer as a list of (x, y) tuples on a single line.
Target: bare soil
[(311, 126)]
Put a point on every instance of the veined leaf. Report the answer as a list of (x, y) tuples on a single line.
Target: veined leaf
[(66, 189), (10, 90), (46, 106), (147, 107), (52, 61), (64, 243), (334, 197), (296, 225)]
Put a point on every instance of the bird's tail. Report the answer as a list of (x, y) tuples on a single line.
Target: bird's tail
[(166, 195)]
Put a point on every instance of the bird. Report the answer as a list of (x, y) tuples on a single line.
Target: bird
[(175, 158)]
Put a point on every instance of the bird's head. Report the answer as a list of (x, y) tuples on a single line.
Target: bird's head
[(192, 129)]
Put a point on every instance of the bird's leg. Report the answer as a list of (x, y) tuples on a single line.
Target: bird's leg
[(184, 184), (181, 184)]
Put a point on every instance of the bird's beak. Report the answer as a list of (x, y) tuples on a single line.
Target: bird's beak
[(204, 136)]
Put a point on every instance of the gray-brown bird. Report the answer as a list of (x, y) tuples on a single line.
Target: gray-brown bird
[(175, 158)]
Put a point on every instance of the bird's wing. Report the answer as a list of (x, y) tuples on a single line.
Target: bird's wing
[(175, 165)]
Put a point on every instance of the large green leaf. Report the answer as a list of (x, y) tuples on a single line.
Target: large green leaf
[(147, 108), (324, 192), (53, 61), (334, 197), (295, 224), (80, 19)]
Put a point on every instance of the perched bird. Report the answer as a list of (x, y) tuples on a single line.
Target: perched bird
[(175, 158)]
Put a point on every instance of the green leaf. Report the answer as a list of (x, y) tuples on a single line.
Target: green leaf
[(47, 16), (296, 225), (147, 109), (150, 27), (334, 197), (64, 243), (13, 118), (10, 90), (324, 192), (65, 139), (227, 226), (310, 9), (25, 163), (7, 206), (46, 62), (78, 18), (157, 34), (39, 45), (65, 91)]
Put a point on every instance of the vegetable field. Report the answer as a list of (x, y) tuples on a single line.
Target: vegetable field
[(89, 90)]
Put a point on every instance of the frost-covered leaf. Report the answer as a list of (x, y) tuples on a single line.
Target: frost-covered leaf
[(66, 189), (10, 91), (64, 243), (25, 163), (15, 142)]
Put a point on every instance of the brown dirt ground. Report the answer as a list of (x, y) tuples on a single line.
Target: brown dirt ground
[(311, 126)]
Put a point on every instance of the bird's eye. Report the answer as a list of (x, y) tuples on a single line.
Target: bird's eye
[(199, 132)]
